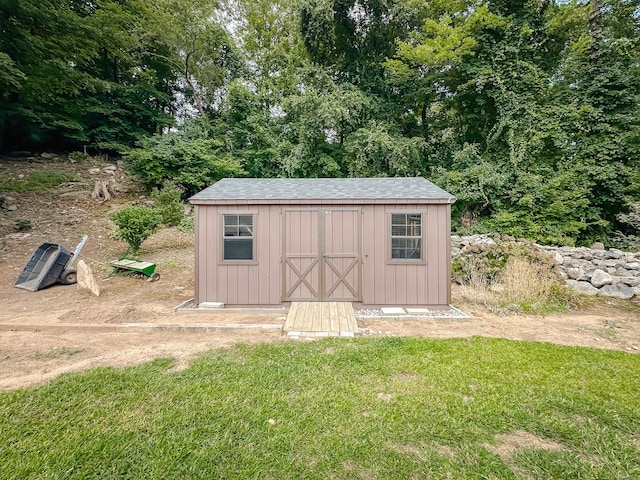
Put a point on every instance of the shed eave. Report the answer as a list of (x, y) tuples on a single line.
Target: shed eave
[(323, 201)]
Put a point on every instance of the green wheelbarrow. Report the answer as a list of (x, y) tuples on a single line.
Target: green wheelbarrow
[(126, 266)]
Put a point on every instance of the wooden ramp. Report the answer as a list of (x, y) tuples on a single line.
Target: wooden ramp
[(321, 319)]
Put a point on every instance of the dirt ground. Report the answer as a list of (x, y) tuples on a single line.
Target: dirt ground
[(61, 329)]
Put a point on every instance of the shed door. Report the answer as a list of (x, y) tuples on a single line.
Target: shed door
[(322, 254)]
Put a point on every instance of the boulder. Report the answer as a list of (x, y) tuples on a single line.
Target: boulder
[(613, 253), (632, 266), (618, 291), (600, 278), (86, 279), (48, 155), (575, 272), (597, 246), (586, 288), (630, 281)]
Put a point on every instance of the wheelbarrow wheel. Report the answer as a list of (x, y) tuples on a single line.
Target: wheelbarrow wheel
[(69, 276), (153, 277)]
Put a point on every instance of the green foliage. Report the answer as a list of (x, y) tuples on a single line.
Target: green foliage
[(187, 225), (526, 111), (23, 225), (38, 181), (510, 276), (77, 74), (135, 224), (489, 259), (186, 157), (168, 202)]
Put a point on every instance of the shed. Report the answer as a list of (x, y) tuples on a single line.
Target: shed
[(371, 241)]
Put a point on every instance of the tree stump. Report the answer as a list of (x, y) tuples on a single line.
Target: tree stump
[(102, 191)]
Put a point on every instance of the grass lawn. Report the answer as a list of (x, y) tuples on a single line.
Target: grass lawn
[(337, 408)]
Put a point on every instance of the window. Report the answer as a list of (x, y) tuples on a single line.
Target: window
[(406, 236), (237, 237)]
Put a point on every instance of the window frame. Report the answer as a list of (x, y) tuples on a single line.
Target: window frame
[(222, 237), (389, 235)]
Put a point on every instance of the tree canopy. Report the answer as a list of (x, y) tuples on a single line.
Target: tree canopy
[(528, 111)]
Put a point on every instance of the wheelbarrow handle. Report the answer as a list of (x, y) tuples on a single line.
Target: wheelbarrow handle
[(85, 237)]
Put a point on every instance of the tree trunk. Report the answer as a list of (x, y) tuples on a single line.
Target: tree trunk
[(102, 191)]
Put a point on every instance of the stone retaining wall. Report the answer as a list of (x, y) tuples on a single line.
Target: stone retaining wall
[(592, 271)]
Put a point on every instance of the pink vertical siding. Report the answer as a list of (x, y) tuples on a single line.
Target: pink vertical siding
[(377, 280)]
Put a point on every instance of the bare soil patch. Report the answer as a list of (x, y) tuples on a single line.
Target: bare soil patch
[(60, 329), (506, 445)]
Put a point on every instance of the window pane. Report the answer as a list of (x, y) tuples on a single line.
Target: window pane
[(398, 243), (406, 236), (414, 231), (413, 248), (230, 231), (246, 231), (245, 220), (238, 249), (399, 231), (231, 220), (398, 219)]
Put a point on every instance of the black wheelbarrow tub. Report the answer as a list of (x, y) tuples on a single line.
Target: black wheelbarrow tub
[(44, 268)]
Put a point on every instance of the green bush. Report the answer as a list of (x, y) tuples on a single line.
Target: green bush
[(187, 157), (168, 203), (489, 260), (135, 224), (187, 225)]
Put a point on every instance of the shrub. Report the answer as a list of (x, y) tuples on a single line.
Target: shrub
[(187, 225), (187, 157), (510, 276), (168, 203), (23, 225), (489, 259), (135, 224)]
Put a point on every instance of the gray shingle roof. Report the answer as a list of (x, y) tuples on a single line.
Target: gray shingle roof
[(308, 189)]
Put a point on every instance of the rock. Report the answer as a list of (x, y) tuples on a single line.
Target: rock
[(622, 272), (86, 279), (600, 278), (12, 208), (17, 236), (632, 266), (575, 273), (94, 171), (613, 253), (109, 170), (630, 281), (74, 195), (617, 291), (597, 246), (559, 258), (586, 288), (48, 156), (9, 199), (636, 290), (571, 283)]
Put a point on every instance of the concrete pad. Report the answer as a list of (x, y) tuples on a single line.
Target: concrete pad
[(393, 311), (419, 311), (211, 305)]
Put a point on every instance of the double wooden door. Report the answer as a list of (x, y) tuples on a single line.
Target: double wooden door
[(322, 254)]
